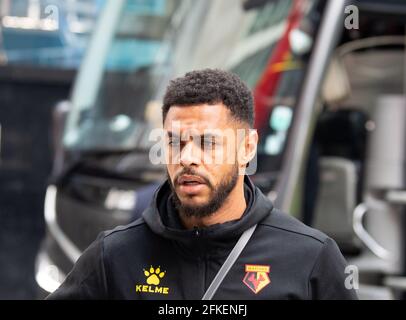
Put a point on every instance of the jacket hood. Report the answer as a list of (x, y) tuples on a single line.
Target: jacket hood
[(163, 219)]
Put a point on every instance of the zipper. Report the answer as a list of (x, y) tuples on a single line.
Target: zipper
[(197, 232), (202, 256)]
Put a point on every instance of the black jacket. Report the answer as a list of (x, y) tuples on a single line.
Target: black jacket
[(156, 258)]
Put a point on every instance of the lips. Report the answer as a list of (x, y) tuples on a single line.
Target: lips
[(191, 185), (190, 180)]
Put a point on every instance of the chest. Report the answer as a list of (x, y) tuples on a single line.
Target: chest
[(168, 274)]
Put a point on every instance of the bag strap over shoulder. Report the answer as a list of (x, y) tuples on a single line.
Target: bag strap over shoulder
[(225, 268)]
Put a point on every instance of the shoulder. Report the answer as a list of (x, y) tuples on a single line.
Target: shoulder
[(125, 244), (125, 229), (292, 240), (288, 227), (124, 234)]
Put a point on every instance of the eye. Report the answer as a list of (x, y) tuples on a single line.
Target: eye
[(209, 142), (174, 142)]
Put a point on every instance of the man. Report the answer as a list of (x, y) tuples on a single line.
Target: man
[(196, 217)]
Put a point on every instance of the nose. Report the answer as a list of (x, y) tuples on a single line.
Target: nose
[(190, 155)]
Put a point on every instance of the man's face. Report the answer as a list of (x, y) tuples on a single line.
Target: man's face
[(201, 150)]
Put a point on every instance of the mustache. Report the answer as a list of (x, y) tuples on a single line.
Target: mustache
[(191, 172)]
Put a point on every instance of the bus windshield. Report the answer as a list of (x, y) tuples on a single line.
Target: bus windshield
[(109, 98)]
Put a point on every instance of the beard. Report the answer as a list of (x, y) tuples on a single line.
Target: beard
[(218, 195)]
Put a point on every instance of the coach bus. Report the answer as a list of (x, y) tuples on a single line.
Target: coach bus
[(328, 79)]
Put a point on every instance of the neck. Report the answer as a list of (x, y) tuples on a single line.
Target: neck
[(232, 209)]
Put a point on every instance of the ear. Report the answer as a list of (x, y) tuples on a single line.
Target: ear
[(248, 142)]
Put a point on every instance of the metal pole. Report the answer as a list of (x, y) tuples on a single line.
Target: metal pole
[(330, 29)]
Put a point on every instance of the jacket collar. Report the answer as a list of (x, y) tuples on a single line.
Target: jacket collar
[(163, 219)]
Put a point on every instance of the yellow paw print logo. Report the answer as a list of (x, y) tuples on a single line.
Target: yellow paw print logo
[(154, 275)]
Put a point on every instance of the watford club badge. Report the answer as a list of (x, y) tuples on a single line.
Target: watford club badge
[(256, 277)]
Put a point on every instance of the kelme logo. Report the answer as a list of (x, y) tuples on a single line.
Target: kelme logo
[(153, 277)]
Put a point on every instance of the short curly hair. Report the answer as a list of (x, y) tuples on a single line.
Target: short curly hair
[(211, 86)]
